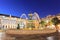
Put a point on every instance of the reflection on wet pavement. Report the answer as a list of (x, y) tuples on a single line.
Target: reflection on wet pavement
[(50, 38), (53, 36)]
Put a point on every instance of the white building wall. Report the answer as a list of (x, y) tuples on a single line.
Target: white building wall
[(8, 23)]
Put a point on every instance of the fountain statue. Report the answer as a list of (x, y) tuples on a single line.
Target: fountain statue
[(30, 16)]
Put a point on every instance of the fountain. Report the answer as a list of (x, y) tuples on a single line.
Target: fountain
[(33, 26), (24, 15), (37, 20), (23, 22), (30, 23), (36, 16)]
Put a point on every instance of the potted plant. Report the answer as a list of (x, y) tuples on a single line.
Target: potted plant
[(56, 22)]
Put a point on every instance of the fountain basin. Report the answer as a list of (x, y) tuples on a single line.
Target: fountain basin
[(28, 32)]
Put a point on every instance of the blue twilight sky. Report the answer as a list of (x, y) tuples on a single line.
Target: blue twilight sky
[(17, 7)]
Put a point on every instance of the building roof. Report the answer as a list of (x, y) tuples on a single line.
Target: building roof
[(8, 15), (58, 14)]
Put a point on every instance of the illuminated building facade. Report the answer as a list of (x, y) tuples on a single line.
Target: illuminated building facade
[(11, 22), (33, 22), (7, 21)]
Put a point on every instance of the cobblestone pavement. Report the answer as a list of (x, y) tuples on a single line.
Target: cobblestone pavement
[(52, 36)]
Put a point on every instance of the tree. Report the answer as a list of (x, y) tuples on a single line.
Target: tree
[(42, 23), (18, 27), (58, 21), (55, 21)]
